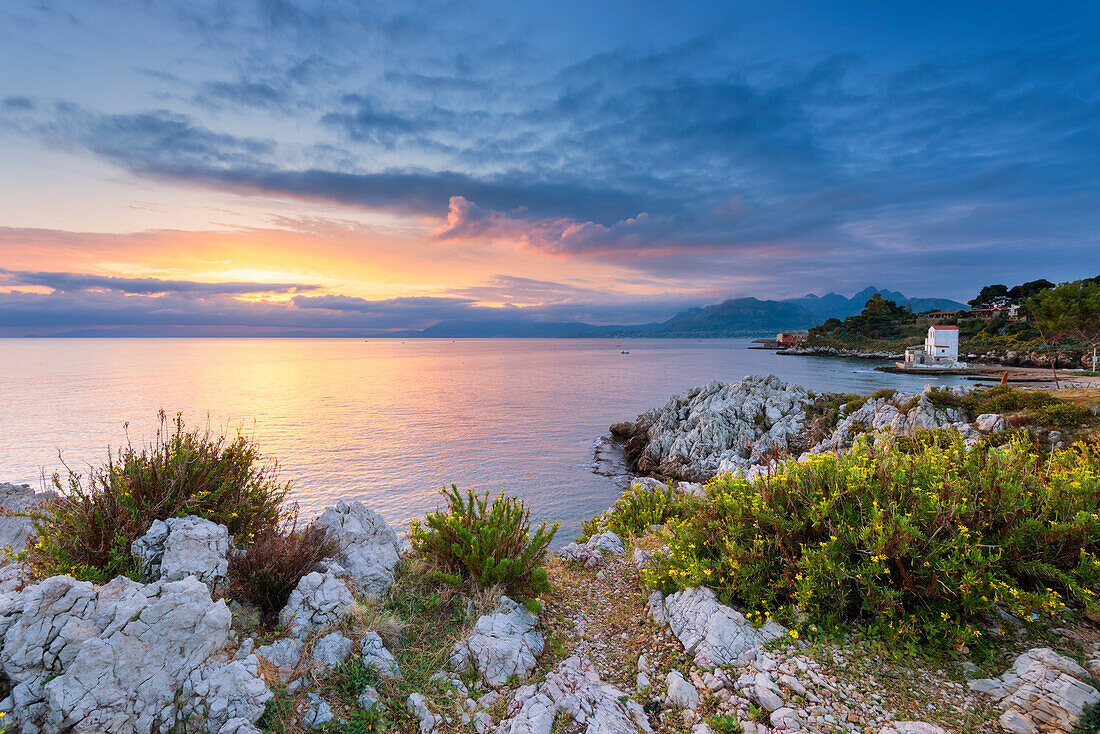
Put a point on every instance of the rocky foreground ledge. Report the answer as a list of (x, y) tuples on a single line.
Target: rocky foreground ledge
[(601, 653)]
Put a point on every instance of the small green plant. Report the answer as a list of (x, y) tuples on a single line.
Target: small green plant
[(278, 714), (269, 569), (484, 539), (1089, 723), (88, 530), (724, 724)]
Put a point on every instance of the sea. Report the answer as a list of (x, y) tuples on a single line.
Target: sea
[(384, 421)]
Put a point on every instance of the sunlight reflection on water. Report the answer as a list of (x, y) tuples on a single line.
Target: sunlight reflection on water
[(382, 421)]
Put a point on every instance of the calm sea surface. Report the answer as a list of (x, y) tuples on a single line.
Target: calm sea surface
[(382, 421)]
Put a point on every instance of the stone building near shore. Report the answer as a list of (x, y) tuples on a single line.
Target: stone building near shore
[(939, 351)]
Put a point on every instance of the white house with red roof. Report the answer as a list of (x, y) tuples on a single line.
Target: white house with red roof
[(939, 351)]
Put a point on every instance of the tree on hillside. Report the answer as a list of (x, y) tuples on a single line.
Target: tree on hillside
[(1028, 289), (990, 296), (1071, 309)]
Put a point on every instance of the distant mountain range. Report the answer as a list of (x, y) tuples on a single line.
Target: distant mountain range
[(734, 317)]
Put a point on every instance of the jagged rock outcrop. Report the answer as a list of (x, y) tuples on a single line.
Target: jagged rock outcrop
[(502, 646), (319, 600), (901, 414), (1042, 691), (179, 547), (369, 548), (125, 657), (17, 532), (573, 689), (590, 558), (715, 428), (716, 635)]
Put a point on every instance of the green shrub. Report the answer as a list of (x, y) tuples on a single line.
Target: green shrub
[(486, 540), (1061, 415), (269, 569), (87, 532), (919, 546), (1089, 723), (637, 510)]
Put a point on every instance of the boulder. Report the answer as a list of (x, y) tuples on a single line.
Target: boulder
[(607, 542), (1044, 689), (990, 422), (377, 658), (503, 645), (716, 635), (715, 428), (18, 532), (590, 558), (331, 651), (184, 546), (125, 657), (573, 689), (369, 548), (318, 601), (681, 694)]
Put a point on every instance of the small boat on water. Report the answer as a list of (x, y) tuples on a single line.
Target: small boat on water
[(624, 352)]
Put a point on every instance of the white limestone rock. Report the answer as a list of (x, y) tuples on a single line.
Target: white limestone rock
[(317, 712), (331, 651), (184, 546), (418, 707), (573, 689), (681, 694), (715, 634), (912, 727), (376, 657), (715, 428), (18, 532), (284, 654), (121, 658), (318, 601), (369, 699), (1044, 688), (607, 542), (990, 422), (369, 548), (501, 646), (590, 558)]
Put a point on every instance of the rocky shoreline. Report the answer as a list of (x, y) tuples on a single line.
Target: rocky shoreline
[(743, 427), (601, 652), (1010, 358)]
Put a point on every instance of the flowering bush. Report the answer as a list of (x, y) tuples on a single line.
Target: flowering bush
[(920, 545), (88, 530), (484, 540), (637, 510)]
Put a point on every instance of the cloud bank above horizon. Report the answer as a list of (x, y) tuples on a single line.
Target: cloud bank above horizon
[(285, 163)]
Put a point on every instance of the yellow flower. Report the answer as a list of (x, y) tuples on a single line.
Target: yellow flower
[(794, 634)]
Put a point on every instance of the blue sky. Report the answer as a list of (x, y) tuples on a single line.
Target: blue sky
[(374, 165)]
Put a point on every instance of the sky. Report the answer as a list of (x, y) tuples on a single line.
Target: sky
[(274, 165)]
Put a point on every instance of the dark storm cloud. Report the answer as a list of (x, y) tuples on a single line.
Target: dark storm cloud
[(74, 282)]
